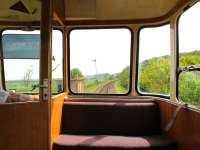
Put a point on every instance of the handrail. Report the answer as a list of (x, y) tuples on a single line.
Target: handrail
[(189, 68), (174, 116)]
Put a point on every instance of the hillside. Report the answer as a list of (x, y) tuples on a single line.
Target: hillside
[(154, 77)]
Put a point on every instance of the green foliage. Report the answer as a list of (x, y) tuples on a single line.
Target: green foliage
[(57, 86), (76, 74), (120, 89), (91, 85), (189, 87), (190, 58), (154, 75), (189, 82), (123, 77), (19, 86)]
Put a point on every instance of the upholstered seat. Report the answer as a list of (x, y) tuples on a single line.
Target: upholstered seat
[(110, 126), (109, 142), (110, 118)]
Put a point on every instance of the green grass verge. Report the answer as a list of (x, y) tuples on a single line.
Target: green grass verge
[(90, 86), (119, 88), (20, 87)]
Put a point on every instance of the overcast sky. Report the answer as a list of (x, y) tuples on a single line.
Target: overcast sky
[(15, 69), (111, 48)]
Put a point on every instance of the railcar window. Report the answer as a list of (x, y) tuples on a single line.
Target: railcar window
[(189, 56), (100, 61), (57, 61), (154, 50), (21, 53)]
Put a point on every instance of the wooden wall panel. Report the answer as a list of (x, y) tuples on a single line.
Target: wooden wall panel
[(59, 11), (46, 50), (186, 129), (24, 126), (56, 115)]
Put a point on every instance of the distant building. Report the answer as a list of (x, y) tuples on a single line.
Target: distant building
[(77, 85)]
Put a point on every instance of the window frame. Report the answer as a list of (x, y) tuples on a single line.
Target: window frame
[(137, 62), (185, 9), (32, 28), (68, 59)]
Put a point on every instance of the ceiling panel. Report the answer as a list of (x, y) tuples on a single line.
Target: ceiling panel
[(93, 9), (118, 9)]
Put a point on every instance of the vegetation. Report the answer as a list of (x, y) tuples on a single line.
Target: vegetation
[(27, 76), (120, 89), (189, 87), (189, 82), (154, 77), (19, 86), (91, 85), (76, 74), (123, 78)]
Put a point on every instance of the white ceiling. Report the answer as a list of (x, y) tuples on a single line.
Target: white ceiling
[(93, 9), (117, 9)]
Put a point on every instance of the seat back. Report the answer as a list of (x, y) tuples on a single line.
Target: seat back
[(110, 118)]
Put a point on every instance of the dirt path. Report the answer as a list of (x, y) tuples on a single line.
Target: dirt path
[(107, 88)]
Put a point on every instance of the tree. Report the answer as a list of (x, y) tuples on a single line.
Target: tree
[(124, 77), (189, 87), (154, 75), (28, 75), (76, 74)]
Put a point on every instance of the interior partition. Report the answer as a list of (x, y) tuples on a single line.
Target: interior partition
[(24, 126), (185, 129)]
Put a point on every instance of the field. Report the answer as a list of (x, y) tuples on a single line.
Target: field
[(153, 77), (21, 87), (90, 86)]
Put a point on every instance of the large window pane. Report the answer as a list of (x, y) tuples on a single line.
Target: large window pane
[(100, 61), (21, 62), (189, 54), (57, 61), (154, 50), (189, 87)]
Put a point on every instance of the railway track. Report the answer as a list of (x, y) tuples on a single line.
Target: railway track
[(107, 88)]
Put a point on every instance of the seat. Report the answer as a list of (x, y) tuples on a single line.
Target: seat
[(109, 142), (112, 125), (110, 118)]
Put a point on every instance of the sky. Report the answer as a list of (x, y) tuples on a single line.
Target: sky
[(15, 69), (111, 48)]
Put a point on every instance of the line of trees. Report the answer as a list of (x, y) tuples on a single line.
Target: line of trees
[(76, 73), (154, 77)]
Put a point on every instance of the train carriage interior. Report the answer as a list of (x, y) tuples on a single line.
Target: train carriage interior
[(99, 75)]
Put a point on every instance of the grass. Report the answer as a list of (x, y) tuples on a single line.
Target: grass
[(20, 87), (92, 84), (120, 89)]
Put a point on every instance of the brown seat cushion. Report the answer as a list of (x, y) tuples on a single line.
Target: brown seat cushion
[(110, 118), (108, 142)]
